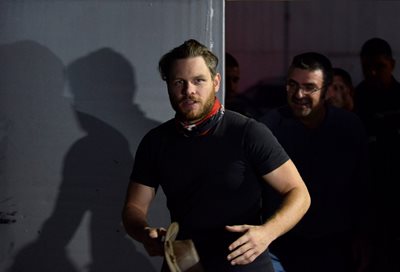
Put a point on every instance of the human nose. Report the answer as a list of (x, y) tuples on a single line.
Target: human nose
[(371, 72), (331, 92), (299, 93), (188, 88)]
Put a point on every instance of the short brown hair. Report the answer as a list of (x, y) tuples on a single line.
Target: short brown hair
[(189, 49)]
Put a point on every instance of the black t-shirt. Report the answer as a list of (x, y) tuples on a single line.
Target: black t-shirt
[(332, 159), (210, 181)]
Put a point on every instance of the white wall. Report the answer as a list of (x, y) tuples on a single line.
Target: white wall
[(79, 87)]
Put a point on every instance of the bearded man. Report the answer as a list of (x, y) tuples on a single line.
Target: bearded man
[(211, 164), (329, 147)]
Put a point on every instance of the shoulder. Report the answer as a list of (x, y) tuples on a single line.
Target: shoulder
[(163, 128), (275, 117), (340, 121), (236, 124), (342, 116), (235, 119), (161, 131), (396, 84)]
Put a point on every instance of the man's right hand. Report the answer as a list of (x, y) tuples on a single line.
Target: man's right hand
[(154, 241)]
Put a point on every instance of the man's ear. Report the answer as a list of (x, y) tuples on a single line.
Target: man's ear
[(217, 82)]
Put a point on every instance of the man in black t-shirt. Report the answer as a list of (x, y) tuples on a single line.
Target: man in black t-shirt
[(209, 162)]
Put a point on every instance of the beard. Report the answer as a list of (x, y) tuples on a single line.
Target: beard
[(300, 107), (198, 110), (305, 110)]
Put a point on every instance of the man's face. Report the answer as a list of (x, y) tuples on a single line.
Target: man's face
[(192, 89), (232, 77), (305, 104), (378, 70), (338, 92)]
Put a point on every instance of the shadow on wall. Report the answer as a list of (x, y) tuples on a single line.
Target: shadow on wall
[(30, 76), (95, 171)]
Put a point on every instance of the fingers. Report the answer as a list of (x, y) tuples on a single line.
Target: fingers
[(243, 239), (247, 247), (242, 252), (240, 249), (239, 242), (152, 232), (237, 228), (161, 232), (156, 232), (243, 255), (154, 245)]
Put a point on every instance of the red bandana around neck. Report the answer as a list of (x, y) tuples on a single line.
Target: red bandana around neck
[(203, 126)]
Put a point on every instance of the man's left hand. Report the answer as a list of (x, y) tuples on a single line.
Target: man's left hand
[(249, 246)]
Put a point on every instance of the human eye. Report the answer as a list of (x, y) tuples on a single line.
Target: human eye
[(336, 88), (199, 81), (292, 85), (177, 82), (235, 79), (380, 66), (309, 88)]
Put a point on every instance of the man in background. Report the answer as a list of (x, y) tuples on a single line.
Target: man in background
[(328, 145), (377, 102)]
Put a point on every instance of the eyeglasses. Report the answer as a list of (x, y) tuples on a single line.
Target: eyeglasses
[(292, 87)]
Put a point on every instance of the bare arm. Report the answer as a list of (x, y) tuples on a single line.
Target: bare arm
[(134, 218), (296, 201)]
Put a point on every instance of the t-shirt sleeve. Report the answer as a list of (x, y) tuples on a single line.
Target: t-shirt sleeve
[(262, 148), (145, 160)]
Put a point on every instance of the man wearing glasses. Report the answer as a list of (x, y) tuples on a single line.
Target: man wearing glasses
[(328, 145)]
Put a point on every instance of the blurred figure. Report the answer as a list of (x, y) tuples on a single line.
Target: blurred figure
[(232, 76), (328, 145), (340, 92), (377, 103), (377, 96), (234, 100), (255, 101)]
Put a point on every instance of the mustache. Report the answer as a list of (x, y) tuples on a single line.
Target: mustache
[(189, 97), (301, 101)]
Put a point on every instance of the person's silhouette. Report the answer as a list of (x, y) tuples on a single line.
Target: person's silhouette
[(95, 172), (377, 103)]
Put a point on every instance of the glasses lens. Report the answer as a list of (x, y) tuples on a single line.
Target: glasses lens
[(309, 89), (306, 89), (292, 87)]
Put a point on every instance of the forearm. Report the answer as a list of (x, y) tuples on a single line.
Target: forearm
[(256, 239), (134, 214), (294, 205), (134, 219), (135, 222)]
